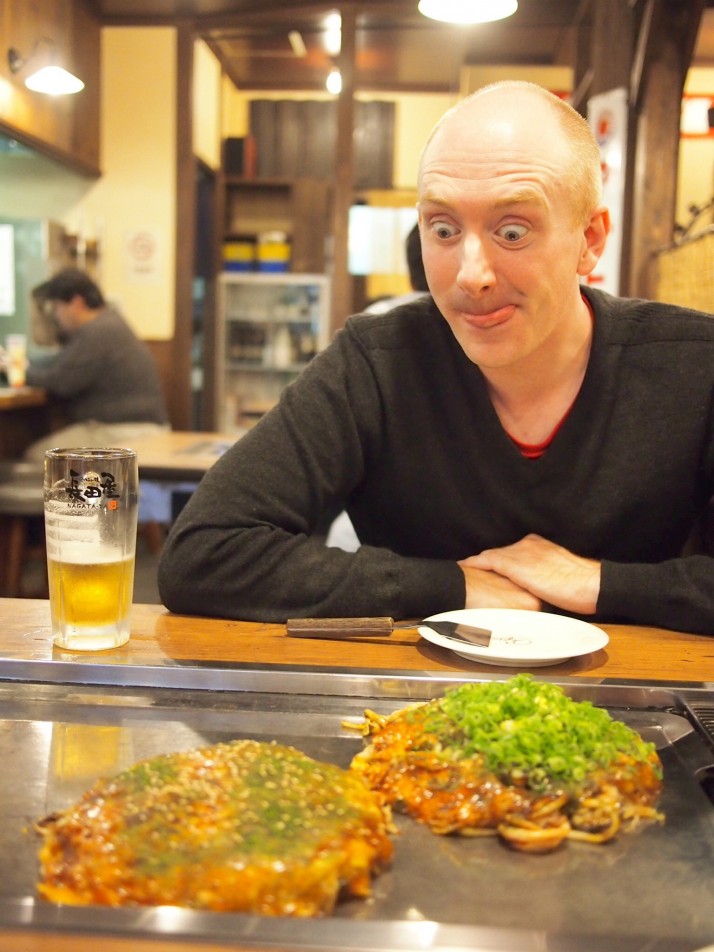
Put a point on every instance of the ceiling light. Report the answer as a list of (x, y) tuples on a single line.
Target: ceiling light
[(467, 11), (50, 79), (333, 34), (334, 82)]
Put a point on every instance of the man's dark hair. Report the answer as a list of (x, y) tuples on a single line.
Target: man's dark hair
[(415, 262), (68, 282)]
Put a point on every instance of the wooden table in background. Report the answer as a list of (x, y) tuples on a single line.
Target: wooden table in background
[(181, 456), (25, 417), (13, 398)]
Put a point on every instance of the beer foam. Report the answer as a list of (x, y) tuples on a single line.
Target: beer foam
[(81, 552)]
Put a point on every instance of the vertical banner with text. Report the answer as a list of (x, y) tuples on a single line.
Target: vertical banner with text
[(607, 115)]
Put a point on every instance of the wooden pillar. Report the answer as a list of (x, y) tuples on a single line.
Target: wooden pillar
[(342, 296), (180, 397), (667, 35)]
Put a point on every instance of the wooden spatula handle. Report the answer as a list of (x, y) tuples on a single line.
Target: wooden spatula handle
[(336, 627)]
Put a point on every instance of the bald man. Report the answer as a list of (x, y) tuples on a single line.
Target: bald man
[(514, 439)]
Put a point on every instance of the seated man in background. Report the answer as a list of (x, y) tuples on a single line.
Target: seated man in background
[(103, 378), (517, 439)]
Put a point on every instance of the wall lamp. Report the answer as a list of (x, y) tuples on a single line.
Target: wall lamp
[(52, 80), (467, 11)]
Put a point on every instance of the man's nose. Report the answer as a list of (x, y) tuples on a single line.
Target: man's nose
[(476, 270)]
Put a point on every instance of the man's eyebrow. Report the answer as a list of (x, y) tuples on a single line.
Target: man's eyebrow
[(429, 197), (521, 196)]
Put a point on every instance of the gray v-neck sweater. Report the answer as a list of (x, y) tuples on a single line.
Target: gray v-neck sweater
[(394, 423)]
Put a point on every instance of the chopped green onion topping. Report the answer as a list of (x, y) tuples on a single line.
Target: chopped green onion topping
[(533, 727)]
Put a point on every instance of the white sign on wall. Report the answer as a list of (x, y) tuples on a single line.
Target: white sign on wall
[(142, 253), (607, 115)]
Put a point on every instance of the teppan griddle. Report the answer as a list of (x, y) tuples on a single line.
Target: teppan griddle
[(653, 890)]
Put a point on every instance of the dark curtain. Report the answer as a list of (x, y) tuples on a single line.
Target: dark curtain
[(296, 139)]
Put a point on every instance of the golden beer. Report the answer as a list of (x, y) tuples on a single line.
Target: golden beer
[(90, 602), (91, 507)]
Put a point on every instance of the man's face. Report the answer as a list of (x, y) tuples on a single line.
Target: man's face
[(65, 313), (501, 246)]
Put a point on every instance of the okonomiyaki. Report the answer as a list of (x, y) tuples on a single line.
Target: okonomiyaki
[(519, 759), (241, 826)]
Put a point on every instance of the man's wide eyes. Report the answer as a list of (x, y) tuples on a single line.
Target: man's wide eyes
[(512, 232), (443, 230)]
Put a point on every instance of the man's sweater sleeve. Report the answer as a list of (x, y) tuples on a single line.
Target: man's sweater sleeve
[(72, 370), (243, 547), (677, 594)]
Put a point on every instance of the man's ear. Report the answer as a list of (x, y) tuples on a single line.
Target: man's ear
[(595, 238)]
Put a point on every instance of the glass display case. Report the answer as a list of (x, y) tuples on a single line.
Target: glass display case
[(269, 327)]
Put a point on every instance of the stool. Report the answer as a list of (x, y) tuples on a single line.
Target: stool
[(21, 505)]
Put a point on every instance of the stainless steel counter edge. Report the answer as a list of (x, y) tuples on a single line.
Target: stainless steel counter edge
[(355, 682), (324, 935)]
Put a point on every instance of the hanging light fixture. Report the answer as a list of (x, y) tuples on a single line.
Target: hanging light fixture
[(50, 79), (468, 11)]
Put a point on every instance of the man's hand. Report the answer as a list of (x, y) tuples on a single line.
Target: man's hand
[(486, 589), (545, 571)]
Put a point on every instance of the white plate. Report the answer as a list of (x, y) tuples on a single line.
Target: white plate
[(520, 638)]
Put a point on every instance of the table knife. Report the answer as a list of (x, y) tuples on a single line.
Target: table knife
[(381, 626)]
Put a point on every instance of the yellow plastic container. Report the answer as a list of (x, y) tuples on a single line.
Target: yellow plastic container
[(239, 255), (273, 252)]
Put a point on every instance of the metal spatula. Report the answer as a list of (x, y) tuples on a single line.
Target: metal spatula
[(381, 626)]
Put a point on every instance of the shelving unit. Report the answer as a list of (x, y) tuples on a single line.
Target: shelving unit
[(300, 208), (269, 328), (269, 322)]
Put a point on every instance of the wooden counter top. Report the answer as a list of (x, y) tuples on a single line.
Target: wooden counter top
[(15, 398), (634, 652), (14, 941)]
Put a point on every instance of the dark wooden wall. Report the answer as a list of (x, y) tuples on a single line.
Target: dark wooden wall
[(162, 352), (298, 139)]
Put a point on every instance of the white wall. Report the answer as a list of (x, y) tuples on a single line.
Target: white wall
[(559, 79), (206, 105), (416, 115), (131, 210)]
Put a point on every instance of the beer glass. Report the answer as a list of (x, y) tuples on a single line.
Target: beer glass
[(16, 347), (91, 498)]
